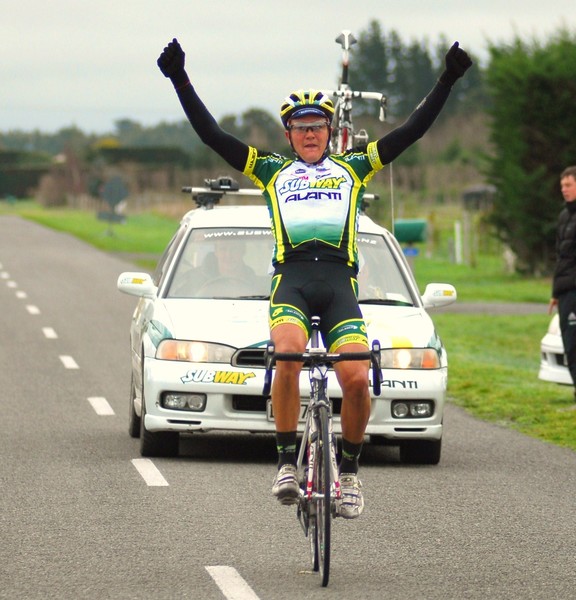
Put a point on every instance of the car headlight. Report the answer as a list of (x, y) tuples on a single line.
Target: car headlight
[(415, 409), (183, 401), (410, 358), (192, 351)]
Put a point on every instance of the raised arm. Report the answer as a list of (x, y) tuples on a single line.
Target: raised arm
[(394, 143), (232, 150)]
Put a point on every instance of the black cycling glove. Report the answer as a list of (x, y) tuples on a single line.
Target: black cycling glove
[(171, 62), (457, 63)]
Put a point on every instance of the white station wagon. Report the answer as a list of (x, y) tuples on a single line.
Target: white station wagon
[(200, 329)]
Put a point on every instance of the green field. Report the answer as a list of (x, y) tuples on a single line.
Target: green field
[(493, 359)]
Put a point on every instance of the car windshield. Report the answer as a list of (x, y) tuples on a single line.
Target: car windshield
[(235, 263), (226, 262)]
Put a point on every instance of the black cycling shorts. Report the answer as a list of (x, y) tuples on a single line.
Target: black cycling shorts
[(329, 290)]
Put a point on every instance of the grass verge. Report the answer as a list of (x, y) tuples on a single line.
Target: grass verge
[(493, 374)]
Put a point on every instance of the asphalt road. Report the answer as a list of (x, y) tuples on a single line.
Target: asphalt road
[(82, 517)]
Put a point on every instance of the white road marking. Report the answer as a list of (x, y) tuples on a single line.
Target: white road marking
[(231, 584), (11, 284), (69, 362), (49, 333), (149, 472), (33, 310), (21, 294), (4, 275), (101, 406)]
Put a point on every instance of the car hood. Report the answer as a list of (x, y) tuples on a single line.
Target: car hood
[(244, 323), (400, 327), (234, 323)]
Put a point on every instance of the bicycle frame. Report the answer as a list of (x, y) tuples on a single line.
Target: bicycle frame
[(318, 398)]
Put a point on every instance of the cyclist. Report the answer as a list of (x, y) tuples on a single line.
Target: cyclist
[(314, 200)]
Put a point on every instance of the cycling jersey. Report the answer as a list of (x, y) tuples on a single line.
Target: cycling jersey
[(314, 207)]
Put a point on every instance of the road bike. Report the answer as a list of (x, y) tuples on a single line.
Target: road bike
[(317, 467), (344, 136)]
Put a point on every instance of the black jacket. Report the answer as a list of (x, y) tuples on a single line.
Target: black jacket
[(564, 278)]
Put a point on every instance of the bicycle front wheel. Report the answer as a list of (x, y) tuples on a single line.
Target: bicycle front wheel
[(322, 484)]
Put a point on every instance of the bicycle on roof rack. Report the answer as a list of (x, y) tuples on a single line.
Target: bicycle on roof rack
[(344, 136)]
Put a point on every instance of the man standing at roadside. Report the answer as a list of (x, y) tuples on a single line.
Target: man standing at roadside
[(564, 278)]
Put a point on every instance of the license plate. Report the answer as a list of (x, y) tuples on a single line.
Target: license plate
[(270, 412)]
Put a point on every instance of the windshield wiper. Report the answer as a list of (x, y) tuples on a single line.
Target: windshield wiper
[(255, 297), (385, 302)]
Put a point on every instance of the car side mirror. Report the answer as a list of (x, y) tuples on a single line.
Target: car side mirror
[(437, 295), (137, 284)]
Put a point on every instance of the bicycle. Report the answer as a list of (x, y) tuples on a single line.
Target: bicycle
[(317, 467), (344, 137)]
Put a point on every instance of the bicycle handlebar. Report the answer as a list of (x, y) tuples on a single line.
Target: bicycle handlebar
[(348, 94), (313, 357)]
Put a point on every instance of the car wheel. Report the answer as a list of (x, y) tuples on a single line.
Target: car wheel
[(420, 452), (157, 443), (133, 419)]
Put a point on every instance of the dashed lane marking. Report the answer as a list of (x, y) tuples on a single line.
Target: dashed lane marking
[(149, 472), (49, 333), (69, 362), (231, 584), (101, 406), (33, 310)]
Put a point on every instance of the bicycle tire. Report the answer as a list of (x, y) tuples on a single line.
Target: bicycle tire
[(324, 504)]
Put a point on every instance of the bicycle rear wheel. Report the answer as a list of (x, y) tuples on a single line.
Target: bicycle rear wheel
[(322, 484)]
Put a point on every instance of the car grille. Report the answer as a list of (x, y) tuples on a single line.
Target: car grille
[(249, 357), (561, 360), (252, 403), (249, 403)]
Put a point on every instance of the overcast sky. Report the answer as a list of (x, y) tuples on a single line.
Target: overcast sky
[(72, 62)]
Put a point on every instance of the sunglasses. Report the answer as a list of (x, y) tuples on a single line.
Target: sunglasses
[(314, 127)]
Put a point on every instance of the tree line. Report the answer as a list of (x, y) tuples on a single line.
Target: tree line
[(527, 89)]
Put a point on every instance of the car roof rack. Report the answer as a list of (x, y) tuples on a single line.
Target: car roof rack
[(207, 197), (210, 195)]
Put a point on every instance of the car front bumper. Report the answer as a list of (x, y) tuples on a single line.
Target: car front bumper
[(553, 362), (234, 400)]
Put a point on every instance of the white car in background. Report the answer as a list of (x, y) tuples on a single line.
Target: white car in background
[(200, 328), (553, 366)]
